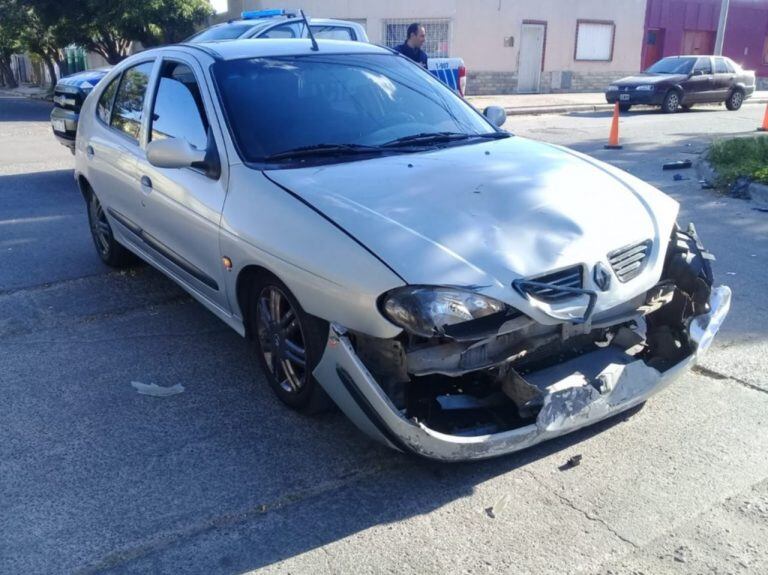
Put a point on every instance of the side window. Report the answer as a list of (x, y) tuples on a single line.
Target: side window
[(333, 32), (703, 66), (282, 31), (720, 66), (129, 102), (178, 110), (104, 107)]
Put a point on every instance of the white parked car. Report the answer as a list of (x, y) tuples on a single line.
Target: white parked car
[(457, 291)]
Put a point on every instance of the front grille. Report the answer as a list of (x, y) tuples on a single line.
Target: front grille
[(569, 278), (629, 261), (67, 100)]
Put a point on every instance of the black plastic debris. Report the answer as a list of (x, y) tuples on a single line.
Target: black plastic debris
[(680, 177), (678, 165), (706, 184), (574, 461), (740, 188)]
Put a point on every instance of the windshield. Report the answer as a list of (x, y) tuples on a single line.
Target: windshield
[(673, 66), (221, 32), (279, 104)]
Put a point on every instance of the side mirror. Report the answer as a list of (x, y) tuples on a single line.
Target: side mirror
[(496, 115), (174, 153)]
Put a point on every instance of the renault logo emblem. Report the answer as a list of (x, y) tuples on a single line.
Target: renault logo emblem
[(602, 276)]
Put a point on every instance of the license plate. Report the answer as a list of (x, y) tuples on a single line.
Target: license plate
[(59, 126), (623, 96)]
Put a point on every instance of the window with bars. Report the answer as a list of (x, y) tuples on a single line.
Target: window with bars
[(438, 43)]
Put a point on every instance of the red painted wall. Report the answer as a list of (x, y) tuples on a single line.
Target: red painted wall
[(745, 32)]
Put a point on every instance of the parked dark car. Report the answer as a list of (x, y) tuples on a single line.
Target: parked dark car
[(682, 81)]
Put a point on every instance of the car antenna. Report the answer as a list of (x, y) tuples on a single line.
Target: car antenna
[(315, 47)]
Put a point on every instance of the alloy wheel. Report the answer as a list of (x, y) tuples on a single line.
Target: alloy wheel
[(281, 339), (100, 227)]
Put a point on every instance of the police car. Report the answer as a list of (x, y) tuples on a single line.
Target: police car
[(71, 91)]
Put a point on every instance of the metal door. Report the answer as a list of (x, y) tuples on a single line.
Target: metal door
[(531, 57)]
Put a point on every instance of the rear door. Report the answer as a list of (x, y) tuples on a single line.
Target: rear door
[(723, 79), (113, 147), (698, 87), (182, 206)]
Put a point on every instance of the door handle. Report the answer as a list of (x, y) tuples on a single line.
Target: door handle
[(146, 184), (89, 151)]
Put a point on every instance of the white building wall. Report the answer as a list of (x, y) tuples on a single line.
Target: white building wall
[(486, 33)]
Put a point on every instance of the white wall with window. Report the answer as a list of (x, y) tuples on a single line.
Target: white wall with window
[(594, 41), (438, 32)]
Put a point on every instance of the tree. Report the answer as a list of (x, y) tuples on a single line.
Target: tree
[(110, 28), (11, 26)]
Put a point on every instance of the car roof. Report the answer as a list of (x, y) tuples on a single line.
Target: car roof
[(251, 48), (283, 19)]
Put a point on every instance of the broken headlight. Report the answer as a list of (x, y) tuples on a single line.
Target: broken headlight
[(426, 310)]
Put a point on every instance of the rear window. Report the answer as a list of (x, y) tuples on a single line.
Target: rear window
[(720, 66), (221, 32)]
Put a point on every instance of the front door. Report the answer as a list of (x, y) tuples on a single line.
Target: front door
[(531, 57), (182, 206), (699, 85), (654, 47)]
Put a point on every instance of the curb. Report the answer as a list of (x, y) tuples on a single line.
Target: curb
[(758, 193)]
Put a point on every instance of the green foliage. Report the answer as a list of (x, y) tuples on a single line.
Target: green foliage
[(739, 157)]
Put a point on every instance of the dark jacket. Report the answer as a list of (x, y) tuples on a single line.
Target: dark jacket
[(416, 54)]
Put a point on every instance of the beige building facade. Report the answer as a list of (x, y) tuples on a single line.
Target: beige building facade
[(508, 46)]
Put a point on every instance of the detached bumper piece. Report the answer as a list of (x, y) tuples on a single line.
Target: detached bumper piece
[(570, 395)]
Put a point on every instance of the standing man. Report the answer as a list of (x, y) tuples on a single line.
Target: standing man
[(417, 35)]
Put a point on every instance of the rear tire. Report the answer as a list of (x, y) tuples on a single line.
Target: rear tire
[(110, 252), (289, 344), (671, 102), (735, 100), (625, 107)]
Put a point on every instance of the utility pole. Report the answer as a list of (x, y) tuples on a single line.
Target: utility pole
[(721, 28)]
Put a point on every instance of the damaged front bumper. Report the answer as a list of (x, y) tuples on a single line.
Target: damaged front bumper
[(576, 393)]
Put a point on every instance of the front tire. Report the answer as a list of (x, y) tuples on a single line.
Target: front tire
[(110, 252), (625, 107), (289, 345), (735, 100), (671, 102)]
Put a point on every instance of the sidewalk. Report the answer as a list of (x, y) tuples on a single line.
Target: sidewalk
[(523, 104), (25, 91)]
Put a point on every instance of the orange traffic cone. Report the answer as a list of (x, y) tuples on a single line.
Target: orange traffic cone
[(613, 138), (764, 127)]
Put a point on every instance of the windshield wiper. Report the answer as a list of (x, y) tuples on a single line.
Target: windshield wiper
[(440, 137), (323, 150)]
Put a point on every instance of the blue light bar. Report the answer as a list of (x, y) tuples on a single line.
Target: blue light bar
[(257, 14)]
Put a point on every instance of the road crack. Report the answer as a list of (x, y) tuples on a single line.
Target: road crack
[(163, 541), (716, 375), (581, 511)]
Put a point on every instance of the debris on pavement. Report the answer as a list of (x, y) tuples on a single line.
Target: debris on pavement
[(498, 508), (740, 188), (678, 165), (157, 390), (706, 184), (680, 177), (572, 462)]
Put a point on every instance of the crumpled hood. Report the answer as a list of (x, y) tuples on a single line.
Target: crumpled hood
[(649, 79), (488, 213)]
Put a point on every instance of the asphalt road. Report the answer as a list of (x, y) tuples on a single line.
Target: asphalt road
[(222, 479)]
